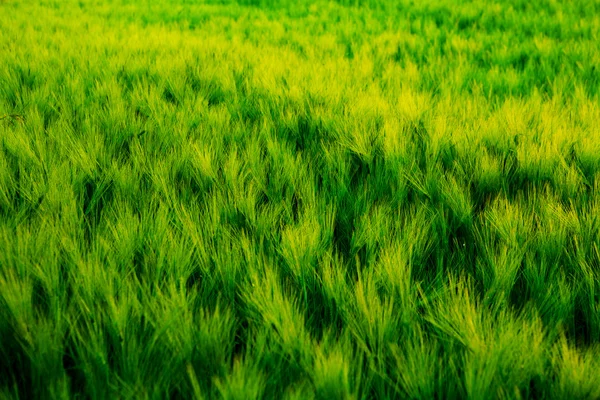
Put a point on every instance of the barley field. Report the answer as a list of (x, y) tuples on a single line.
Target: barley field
[(277, 199)]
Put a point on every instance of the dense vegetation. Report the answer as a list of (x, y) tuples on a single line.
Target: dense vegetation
[(333, 200)]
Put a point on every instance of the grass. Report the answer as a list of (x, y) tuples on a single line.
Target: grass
[(272, 199)]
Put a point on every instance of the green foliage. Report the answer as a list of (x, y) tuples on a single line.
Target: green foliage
[(295, 199)]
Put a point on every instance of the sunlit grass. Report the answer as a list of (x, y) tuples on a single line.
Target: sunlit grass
[(273, 199)]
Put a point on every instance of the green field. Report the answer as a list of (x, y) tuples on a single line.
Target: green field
[(281, 199)]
